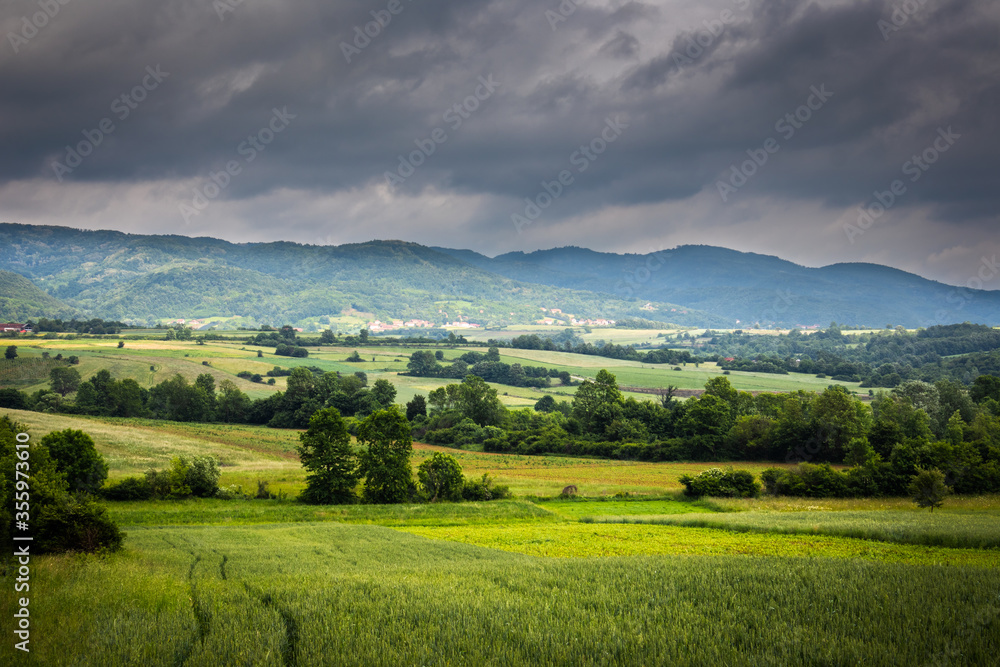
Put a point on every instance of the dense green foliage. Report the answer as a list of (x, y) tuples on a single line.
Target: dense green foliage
[(57, 519), (958, 352), (21, 300), (720, 483), (326, 452)]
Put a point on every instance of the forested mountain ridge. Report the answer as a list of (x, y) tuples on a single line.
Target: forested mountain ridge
[(751, 287), (135, 277)]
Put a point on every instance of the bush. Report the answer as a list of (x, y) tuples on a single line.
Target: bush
[(203, 476), (808, 481), (484, 489), (76, 523), (130, 488), (721, 483)]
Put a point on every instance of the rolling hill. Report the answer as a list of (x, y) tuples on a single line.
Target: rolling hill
[(20, 300), (750, 287), (132, 277), (135, 277)]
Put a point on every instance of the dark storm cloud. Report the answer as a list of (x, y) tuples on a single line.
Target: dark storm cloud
[(700, 85)]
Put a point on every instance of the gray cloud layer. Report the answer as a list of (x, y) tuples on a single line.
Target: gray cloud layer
[(699, 85)]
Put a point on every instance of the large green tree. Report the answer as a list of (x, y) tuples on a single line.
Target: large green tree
[(385, 461), (64, 380), (77, 458), (441, 477), (479, 402), (598, 403), (325, 451)]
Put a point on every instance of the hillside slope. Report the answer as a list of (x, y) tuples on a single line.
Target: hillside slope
[(752, 287), (21, 300)]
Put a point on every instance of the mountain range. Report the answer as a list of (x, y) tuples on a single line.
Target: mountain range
[(143, 278)]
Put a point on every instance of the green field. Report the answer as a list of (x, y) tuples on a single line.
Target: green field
[(629, 572), (150, 362)]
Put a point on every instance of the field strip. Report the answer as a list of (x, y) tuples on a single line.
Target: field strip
[(970, 529), (572, 540)]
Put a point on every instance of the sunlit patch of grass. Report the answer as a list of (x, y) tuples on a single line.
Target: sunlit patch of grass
[(572, 540)]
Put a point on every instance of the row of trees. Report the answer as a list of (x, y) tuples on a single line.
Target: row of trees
[(425, 363), (382, 466)]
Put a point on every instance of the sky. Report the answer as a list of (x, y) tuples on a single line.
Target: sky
[(820, 132)]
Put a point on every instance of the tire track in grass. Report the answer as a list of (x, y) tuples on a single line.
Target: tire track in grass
[(290, 643)]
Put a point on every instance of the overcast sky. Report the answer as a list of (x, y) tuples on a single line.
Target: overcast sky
[(116, 115)]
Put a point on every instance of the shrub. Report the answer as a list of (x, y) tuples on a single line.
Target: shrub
[(484, 489), (717, 482), (203, 476), (77, 458), (130, 488)]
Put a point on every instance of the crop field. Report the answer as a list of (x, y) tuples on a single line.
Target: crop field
[(628, 573), (338, 594), (953, 528)]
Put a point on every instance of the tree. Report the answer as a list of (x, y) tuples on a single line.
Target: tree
[(77, 458), (64, 380), (385, 463), (928, 489), (325, 451), (545, 404), (327, 337), (479, 402), (382, 395), (441, 477), (11, 352), (416, 406), (60, 521), (596, 404), (232, 405), (423, 364)]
